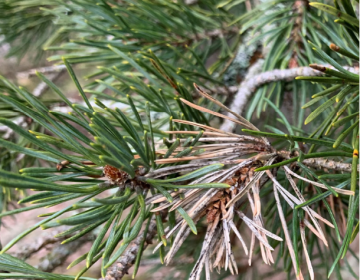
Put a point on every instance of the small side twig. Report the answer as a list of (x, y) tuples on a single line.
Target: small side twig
[(329, 164), (322, 163)]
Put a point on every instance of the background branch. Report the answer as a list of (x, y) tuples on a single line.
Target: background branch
[(251, 83), (43, 70), (58, 253)]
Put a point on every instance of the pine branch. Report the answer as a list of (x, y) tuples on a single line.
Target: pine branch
[(47, 238), (225, 90), (321, 163), (43, 70), (251, 84), (21, 121), (57, 253), (191, 2), (328, 164), (42, 87)]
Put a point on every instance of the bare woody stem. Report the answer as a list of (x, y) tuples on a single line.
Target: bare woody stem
[(57, 254), (42, 87), (322, 163), (250, 85), (53, 69), (329, 164)]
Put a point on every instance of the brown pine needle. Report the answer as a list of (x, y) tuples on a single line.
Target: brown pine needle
[(345, 192), (202, 109), (188, 197), (206, 156), (290, 199), (307, 257), (249, 223), (342, 215), (235, 230), (310, 226), (205, 133), (286, 232), (204, 94), (204, 127), (266, 232), (252, 245)]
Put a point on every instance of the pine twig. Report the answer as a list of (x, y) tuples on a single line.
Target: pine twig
[(250, 84), (43, 70), (47, 238), (329, 164), (225, 90), (322, 163), (121, 267), (58, 253), (42, 87), (20, 120), (191, 2)]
